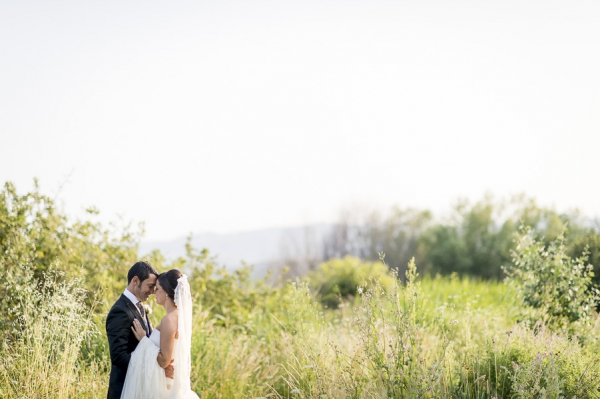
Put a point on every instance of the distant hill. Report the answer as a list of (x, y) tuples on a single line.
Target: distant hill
[(264, 249)]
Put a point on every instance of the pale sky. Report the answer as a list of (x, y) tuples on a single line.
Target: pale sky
[(234, 115)]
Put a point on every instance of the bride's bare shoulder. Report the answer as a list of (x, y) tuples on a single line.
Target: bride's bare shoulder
[(169, 321)]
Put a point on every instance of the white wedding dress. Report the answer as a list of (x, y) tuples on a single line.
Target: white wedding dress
[(145, 378)]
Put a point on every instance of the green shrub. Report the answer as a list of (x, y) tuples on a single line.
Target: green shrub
[(553, 283), (232, 297), (590, 242), (338, 279), (34, 232)]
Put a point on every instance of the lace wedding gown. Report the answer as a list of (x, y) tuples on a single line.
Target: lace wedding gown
[(145, 378)]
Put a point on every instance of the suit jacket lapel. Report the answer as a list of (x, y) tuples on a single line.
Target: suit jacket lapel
[(136, 312)]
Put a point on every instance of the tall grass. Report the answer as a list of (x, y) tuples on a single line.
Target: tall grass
[(443, 337), (43, 357)]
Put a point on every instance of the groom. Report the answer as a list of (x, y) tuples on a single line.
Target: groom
[(141, 281)]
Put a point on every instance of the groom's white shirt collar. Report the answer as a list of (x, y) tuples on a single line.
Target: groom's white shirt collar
[(130, 296)]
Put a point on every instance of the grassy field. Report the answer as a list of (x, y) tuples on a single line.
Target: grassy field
[(431, 338), (349, 328)]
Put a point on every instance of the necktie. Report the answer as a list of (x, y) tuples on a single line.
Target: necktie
[(142, 310), (146, 321)]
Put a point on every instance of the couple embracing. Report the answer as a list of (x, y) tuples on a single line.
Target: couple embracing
[(151, 363)]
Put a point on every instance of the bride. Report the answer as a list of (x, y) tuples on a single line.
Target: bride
[(169, 343)]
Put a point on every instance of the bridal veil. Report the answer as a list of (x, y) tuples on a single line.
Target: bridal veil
[(183, 346)]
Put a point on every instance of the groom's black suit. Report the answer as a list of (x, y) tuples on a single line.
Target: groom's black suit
[(121, 341)]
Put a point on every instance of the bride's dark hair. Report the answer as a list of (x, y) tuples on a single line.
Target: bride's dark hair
[(168, 282)]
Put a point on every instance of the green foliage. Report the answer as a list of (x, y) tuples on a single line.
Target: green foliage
[(473, 244), (397, 234), (405, 343), (232, 297), (525, 363), (590, 243), (35, 236), (338, 279), (378, 336), (390, 335), (475, 238), (52, 323), (552, 282)]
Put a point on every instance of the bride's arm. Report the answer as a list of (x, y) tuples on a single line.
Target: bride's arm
[(168, 331)]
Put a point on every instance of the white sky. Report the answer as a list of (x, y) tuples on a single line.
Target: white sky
[(233, 115)]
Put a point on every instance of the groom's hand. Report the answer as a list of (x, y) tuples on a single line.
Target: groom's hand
[(169, 370)]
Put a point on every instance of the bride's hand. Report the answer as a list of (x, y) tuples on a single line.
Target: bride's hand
[(137, 329)]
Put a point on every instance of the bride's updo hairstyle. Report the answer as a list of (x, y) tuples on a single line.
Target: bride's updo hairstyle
[(168, 282)]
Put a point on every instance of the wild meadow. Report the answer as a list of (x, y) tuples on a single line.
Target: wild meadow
[(350, 328)]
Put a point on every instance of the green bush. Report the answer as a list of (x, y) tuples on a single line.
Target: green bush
[(590, 243), (553, 283), (338, 279), (232, 297), (35, 233)]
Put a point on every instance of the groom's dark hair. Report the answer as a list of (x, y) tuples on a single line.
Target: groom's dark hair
[(142, 270)]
